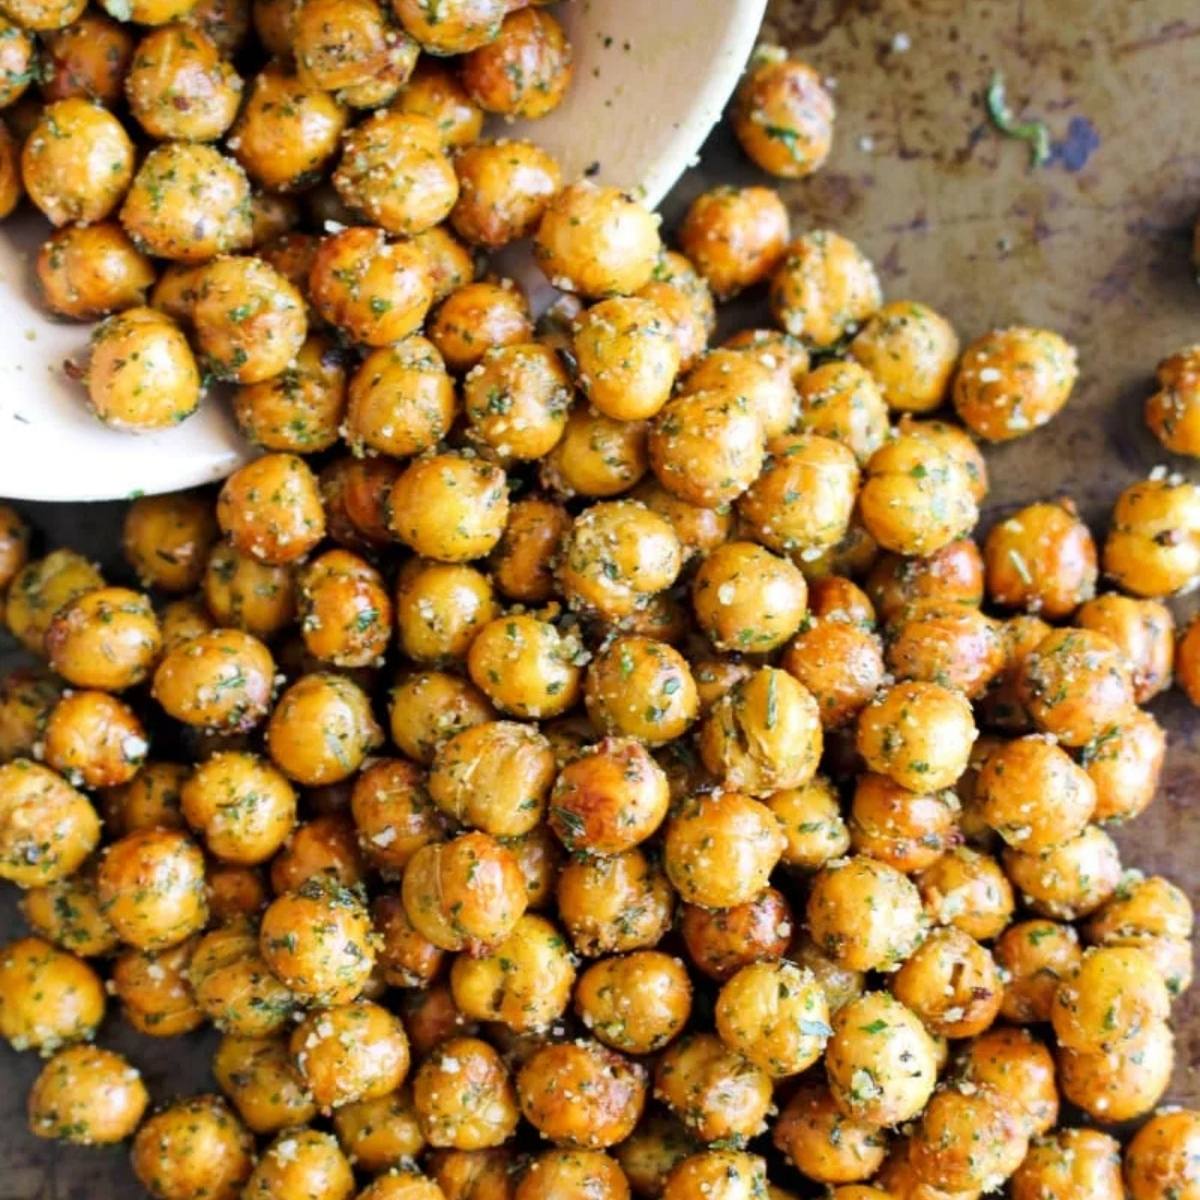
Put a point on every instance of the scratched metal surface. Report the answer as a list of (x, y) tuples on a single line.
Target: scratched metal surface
[(1095, 245)]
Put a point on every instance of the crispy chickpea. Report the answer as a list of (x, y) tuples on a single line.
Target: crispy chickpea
[(150, 800), (882, 1064), (183, 619), (467, 893), (27, 697), (259, 1080), (1017, 1066), (17, 49), (539, 857), (735, 236), (88, 1097), (718, 1175), (640, 688), (516, 400), (721, 848), (379, 1133), (783, 114), (525, 70), (572, 1172), (969, 890), (337, 707), (1154, 916), (88, 271), (596, 456), (1119, 1085), (431, 1017), (350, 1052), (89, 58), (463, 1096), (524, 982), (48, 997), (325, 847), (864, 914), (614, 904), (449, 507), (167, 538), (1034, 794), (636, 1003), (406, 958), (1076, 685), (393, 814), (1112, 997), (839, 662), (1036, 956), (951, 982), (824, 1143), (504, 188), (108, 638), (271, 509), (345, 610), (951, 577), (526, 666), (824, 288), (910, 350), (94, 739), (194, 1147), (141, 373), (713, 1090), (652, 1151), (317, 942), (77, 162), (955, 441), (683, 296), (1070, 880), (523, 560), (699, 530), (811, 820), (174, 293), (742, 375), (300, 1162), (1171, 412), (434, 91), (476, 318), (233, 987), (377, 291), (597, 241), (351, 50), (1153, 544), (1041, 559), (242, 593), (151, 887), (454, 28), (1160, 1161), (242, 806), (188, 202), (1071, 1164), (1144, 629), (430, 706), (234, 893), (67, 913), (720, 942), (746, 598), (156, 996), (916, 499), (969, 1138), (1012, 381), (960, 648), (908, 831)]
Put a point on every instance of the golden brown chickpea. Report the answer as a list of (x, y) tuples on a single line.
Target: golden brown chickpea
[(951, 577), (49, 997), (523, 560), (518, 765), (1070, 880), (141, 374), (1145, 631), (614, 904), (243, 593), (179, 86), (1112, 997), (457, 27), (188, 202), (1171, 412), (235, 893), (1153, 544), (1160, 1161), (1119, 1085), (1036, 957), (67, 913), (449, 507), (715, 1092), (952, 983), (746, 598), (340, 709), (271, 509), (174, 293), (88, 58), (526, 667), (516, 400), (77, 162), (539, 856), (377, 291), (402, 1184), (1012, 381), (908, 831), (150, 800), (956, 647), (300, 1162), (720, 942), (259, 1080), (463, 1096), (588, 1173), (1041, 559), (596, 455), (227, 22), (393, 814), (1151, 914), (380, 1133), (640, 688), (969, 1138), (916, 499), (395, 172), (427, 707), (326, 847), (864, 914), (166, 539), (27, 697), (88, 1097), (504, 188), (317, 941), (811, 820), (94, 739), (194, 1147), (968, 890), (525, 70), (699, 530), (652, 1151), (350, 1052), (824, 288), (956, 442), (217, 680), (352, 50), (108, 638), (345, 611), (683, 296), (431, 1017), (156, 996), (524, 982), (434, 91), (233, 987), (597, 241), (882, 1064), (783, 114), (451, 264), (840, 663), (756, 387), (17, 70), (406, 959), (1071, 1164), (824, 1143), (89, 271), (476, 318), (241, 805), (636, 1003), (902, 1182), (910, 350), (735, 236), (1018, 1067), (719, 1175)]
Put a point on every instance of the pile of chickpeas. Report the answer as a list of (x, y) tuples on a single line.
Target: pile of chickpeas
[(571, 762)]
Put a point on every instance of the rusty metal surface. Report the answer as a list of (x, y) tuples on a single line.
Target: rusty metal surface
[(1095, 245)]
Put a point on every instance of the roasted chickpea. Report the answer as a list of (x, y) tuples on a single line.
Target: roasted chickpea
[(1036, 957), (94, 739), (597, 241), (48, 997), (227, 22), (301, 1162), (345, 610), (456, 28), (188, 202), (614, 904), (141, 373), (196, 1146), (525, 70), (746, 598), (241, 805), (67, 913), (406, 958), (916, 499), (88, 58), (967, 889), (166, 539), (722, 941), (1070, 880), (735, 236), (824, 288), (233, 986), (427, 707), (243, 593), (516, 400), (783, 114), (235, 893), (811, 820), (503, 190), (742, 375), (640, 688), (1171, 412), (476, 318), (596, 456), (434, 91), (952, 983), (839, 662), (523, 560), (1071, 1164), (431, 1017), (1119, 1085), (652, 1151), (951, 577), (326, 847), (910, 350), (1154, 916), (150, 800), (824, 1143), (1160, 1161), (572, 1173), (1017, 1066), (636, 1003), (27, 697), (271, 509), (88, 1097), (908, 831), (379, 1133), (108, 638), (969, 1138), (393, 814), (1144, 629), (16, 62), (684, 298), (1012, 381), (719, 1175), (526, 666), (351, 50), (183, 619), (1153, 544), (340, 709), (156, 996), (259, 1080), (463, 1096), (715, 1092), (89, 271)]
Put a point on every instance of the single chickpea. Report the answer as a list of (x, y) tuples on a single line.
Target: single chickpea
[(721, 941), (108, 638), (735, 237), (907, 831), (1067, 881), (823, 1143), (526, 666), (87, 1097), (824, 288), (969, 890), (783, 114), (94, 739), (911, 350), (713, 1090), (841, 400), (596, 456), (337, 707), (1145, 631), (1153, 544), (525, 70), (614, 904), (242, 806), (1037, 956), (463, 1096), (194, 1146)]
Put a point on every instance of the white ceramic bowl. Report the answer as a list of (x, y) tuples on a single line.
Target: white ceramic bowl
[(651, 79)]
